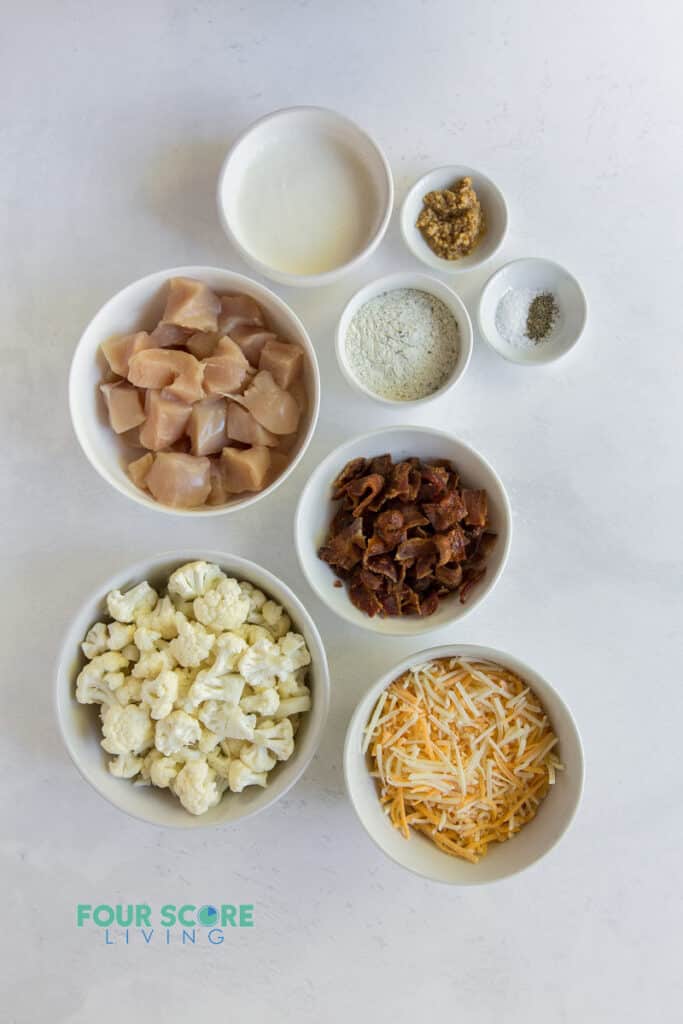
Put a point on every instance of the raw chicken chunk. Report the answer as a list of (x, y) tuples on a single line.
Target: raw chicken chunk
[(206, 428), (226, 371), (278, 464), (218, 494), (245, 469), (271, 405), (244, 428), (139, 469), (238, 310), (124, 405), (178, 372), (118, 351), (202, 344), (182, 481), (166, 421), (251, 340), (283, 361), (165, 335), (191, 304)]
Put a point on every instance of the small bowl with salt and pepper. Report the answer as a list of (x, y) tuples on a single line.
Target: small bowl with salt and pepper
[(404, 340), (532, 311), (454, 219)]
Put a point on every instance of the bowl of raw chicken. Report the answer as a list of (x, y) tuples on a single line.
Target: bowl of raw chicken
[(192, 689), (195, 391)]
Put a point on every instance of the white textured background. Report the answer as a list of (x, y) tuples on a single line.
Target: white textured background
[(114, 121)]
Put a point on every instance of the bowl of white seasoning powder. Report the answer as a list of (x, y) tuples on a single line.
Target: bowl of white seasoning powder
[(405, 339), (532, 311)]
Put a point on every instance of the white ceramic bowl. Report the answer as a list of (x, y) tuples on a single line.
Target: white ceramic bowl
[(80, 725), (139, 307), (316, 509), (536, 275), (502, 860), (299, 137), (492, 202), (423, 283)]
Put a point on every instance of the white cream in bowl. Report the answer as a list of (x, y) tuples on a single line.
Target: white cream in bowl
[(304, 194)]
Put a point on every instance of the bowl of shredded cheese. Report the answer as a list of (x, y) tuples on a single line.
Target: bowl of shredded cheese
[(463, 764)]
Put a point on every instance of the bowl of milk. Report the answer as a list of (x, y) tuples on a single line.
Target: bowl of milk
[(305, 195)]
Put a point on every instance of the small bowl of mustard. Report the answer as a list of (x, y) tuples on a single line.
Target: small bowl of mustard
[(454, 219)]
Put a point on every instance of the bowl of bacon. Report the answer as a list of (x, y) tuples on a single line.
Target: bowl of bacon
[(403, 530), (194, 391)]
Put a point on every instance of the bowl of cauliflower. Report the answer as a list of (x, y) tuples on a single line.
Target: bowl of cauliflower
[(192, 691)]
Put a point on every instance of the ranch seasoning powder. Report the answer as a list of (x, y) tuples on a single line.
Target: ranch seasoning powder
[(402, 345)]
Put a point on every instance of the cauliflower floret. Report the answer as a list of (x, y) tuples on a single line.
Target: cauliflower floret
[(152, 663), (208, 686), (161, 619), (160, 770), (227, 721), (275, 618), (135, 602), (127, 730), (176, 731), (208, 740), (224, 607), (131, 652), (252, 633), (125, 766), (291, 684), (96, 640), (195, 787), (257, 758), (220, 763), (146, 639), (293, 705), (99, 679), (239, 776), (231, 748), (120, 635), (279, 739), (266, 702), (130, 692), (160, 693), (259, 665), (185, 679), (293, 652), (192, 645), (194, 579), (256, 600)]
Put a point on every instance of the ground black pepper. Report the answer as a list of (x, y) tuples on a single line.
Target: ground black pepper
[(542, 314)]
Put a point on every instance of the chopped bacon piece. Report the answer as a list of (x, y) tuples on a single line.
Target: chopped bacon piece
[(471, 578), (363, 598), (450, 576), (416, 547), (352, 469), (363, 490), (345, 549), (383, 566), (476, 506), (404, 482)]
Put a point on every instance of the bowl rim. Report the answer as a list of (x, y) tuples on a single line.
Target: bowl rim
[(155, 279), (140, 567), (516, 665), (327, 276), (561, 271), (423, 625), (392, 282), (429, 258)]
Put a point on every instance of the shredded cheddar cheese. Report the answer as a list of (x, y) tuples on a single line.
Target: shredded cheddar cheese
[(462, 752)]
